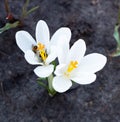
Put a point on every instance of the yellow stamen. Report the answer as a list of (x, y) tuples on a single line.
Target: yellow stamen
[(40, 46), (72, 65)]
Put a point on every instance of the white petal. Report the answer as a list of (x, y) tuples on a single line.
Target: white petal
[(42, 33), (24, 41), (62, 52), (32, 58), (62, 34), (60, 69), (77, 51), (92, 63), (84, 78), (61, 84), (61, 40), (44, 71), (52, 55)]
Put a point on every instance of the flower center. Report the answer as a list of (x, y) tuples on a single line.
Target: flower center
[(40, 48), (72, 65)]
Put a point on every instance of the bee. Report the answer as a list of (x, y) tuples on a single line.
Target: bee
[(41, 53), (34, 49)]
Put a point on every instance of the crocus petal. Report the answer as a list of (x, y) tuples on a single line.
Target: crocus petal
[(62, 52), (61, 40), (24, 41), (77, 51), (62, 34), (92, 63), (61, 84), (32, 58), (84, 78), (44, 71), (52, 55), (42, 33), (60, 69)]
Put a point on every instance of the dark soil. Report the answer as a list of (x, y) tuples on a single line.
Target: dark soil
[(23, 100)]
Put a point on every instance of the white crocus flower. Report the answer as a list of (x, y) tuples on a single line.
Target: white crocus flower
[(43, 50), (74, 66)]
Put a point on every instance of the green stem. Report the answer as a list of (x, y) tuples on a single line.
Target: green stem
[(9, 26), (51, 91)]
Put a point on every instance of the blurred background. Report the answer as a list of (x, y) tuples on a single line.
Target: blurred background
[(23, 100)]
